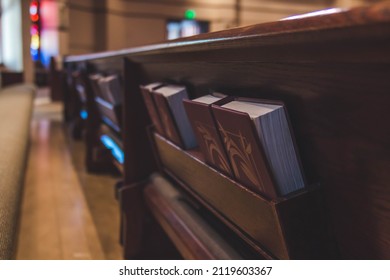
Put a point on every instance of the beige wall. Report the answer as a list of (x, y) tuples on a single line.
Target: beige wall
[(81, 28), (125, 32), (350, 3)]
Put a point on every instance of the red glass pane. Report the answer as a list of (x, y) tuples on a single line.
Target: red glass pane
[(34, 18)]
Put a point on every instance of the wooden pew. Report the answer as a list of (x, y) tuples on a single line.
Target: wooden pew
[(8, 78), (57, 81), (331, 72), (75, 113), (16, 104)]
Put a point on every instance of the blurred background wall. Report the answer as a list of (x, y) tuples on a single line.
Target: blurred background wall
[(84, 26)]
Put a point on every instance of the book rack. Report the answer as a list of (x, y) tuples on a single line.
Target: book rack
[(291, 227)]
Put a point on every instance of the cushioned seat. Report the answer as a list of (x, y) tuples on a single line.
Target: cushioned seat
[(15, 115)]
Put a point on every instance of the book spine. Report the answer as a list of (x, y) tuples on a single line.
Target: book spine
[(115, 89), (167, 120), (105, 91), (107, 110), (95, 86), (152, 110)]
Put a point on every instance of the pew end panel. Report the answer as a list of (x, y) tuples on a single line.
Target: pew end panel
[(331, 71)]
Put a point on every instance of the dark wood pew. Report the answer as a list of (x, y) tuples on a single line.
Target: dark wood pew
[(140, 235), (56, 80), (8, 78), (331, 72), (75, 112)]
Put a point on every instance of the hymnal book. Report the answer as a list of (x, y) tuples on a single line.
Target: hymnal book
[(94, 79), (113, 143), (207, 135), (260, 146), (106, 130), (110, 113), (169, 102), (79, 86), (147, 92), (111, 89)]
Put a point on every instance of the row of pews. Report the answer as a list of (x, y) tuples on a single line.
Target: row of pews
[(332, 72)]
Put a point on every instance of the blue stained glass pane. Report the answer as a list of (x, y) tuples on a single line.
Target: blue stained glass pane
[(116, 151)]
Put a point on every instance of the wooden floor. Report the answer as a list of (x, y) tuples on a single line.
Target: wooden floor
[(56, 220)]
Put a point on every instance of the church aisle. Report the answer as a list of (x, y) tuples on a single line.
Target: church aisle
[(56, 222)]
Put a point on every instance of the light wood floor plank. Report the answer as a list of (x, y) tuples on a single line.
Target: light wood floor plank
[(55, 220)]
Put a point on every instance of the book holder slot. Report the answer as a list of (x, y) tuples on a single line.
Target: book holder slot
[(285, 228), (113, 145), (191, 234), (110, 113)]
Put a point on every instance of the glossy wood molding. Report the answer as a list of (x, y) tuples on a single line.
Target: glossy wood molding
[(337, 22)]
